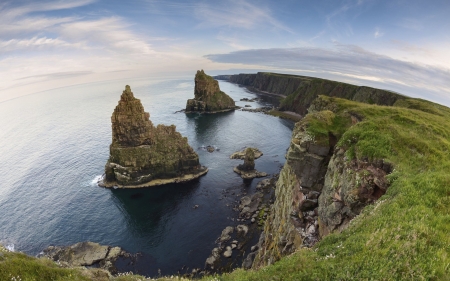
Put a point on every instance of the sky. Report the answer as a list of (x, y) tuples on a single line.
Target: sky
[(399, 45)]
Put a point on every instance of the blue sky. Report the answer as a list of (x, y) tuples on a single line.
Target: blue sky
[(398, 45)]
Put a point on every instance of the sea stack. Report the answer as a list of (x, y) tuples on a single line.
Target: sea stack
[(143, 155), (208, 96), (247, 170), (249, 160)]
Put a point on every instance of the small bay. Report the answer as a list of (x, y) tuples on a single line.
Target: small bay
[(54, 146)]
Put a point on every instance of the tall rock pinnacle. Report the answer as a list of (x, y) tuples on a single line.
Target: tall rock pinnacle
[(130, 123), (144, 155)]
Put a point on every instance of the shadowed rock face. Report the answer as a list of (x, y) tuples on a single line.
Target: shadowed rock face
[(208, 96), (141, 153), (249, 160)]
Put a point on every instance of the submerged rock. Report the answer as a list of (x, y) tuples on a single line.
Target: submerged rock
[(208, 96), (144, 155)]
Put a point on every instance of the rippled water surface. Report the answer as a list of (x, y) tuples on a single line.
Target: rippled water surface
[(54, 146)]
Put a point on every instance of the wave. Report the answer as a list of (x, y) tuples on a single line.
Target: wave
[(95, 181), (10, 247)]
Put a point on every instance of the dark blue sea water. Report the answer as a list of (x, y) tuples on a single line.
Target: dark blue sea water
[(53, 148)]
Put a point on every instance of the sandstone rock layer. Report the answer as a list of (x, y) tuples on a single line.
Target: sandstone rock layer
[(208, 96), (144, 155)]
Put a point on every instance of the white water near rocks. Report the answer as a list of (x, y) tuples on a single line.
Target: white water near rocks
[(54, 146)]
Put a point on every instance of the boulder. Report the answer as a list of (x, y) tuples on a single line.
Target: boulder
[(208, 96), (144, 155), (83, 254), (225, 236)]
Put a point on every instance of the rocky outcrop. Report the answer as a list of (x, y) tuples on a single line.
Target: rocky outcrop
[(241, 154), (319, 190), (86, 254), (208, 96), (301, 91), (349, 187), (144, 155)]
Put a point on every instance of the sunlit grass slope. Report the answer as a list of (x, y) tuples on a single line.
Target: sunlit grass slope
[(405, 235)]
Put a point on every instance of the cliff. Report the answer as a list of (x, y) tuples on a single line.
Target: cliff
[(350, 190), (208, 96), (300, 91), (144, 155)]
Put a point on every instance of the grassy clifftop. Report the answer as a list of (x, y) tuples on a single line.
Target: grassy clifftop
[(405, 234)]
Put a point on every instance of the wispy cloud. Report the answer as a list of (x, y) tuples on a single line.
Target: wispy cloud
[(7, 12), (236, 14), (339, 20), (105, 34), (33, 44), (352, 64)]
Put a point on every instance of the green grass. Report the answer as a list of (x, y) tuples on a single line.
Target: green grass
[(405, 235), (18, 266)]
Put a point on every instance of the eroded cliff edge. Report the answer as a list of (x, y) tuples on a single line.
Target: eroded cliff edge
[(208, 96), (322, 186), (300, 91), (143, 155)]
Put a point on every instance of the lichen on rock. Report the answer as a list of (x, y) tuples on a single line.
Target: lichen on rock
[(144, 155), (208, 96)]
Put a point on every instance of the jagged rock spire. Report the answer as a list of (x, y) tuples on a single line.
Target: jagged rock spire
[(131, 125)]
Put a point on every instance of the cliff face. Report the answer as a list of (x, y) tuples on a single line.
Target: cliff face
[(144, 155), (208, 96), (320, 188), (301, 91)]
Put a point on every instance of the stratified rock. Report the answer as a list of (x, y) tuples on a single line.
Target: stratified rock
[(208, 96), (144, 155)]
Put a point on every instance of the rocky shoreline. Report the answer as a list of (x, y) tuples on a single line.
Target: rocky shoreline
[(235, 242), (156, 182), (101, 259)]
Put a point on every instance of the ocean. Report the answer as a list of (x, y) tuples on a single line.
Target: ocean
[(54, 146)]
